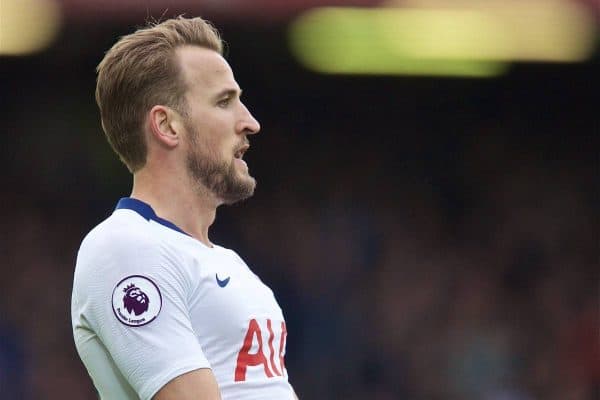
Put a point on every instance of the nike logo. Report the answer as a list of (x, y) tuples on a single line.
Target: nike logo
[(223, 282)]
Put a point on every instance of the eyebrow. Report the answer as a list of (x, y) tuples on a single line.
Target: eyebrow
[(228, 92)]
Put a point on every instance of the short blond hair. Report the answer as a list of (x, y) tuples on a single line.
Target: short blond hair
[(141, 71)]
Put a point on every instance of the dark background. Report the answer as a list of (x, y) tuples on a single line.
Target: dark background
[(427, 238)]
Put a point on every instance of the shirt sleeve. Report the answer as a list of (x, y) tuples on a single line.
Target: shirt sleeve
[(136, 302)]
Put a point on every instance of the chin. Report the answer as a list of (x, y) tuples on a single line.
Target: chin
[(241, 189), (244, 178), (249, 184)]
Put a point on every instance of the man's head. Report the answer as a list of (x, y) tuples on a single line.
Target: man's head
[(172, 76), (141, 70)]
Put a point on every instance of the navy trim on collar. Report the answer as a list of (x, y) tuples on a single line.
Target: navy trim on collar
[(143, 209)]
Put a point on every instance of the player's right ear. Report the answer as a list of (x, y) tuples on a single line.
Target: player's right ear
[(164, 126)]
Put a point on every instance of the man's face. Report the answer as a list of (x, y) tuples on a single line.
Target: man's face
[(217, 125)]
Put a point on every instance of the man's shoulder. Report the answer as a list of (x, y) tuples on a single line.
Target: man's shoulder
[(120, 233), (124, 244), (227, 253)]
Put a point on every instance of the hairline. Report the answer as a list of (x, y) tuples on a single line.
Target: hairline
[(186, 80)]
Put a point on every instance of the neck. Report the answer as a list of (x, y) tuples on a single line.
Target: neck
[(178, 201)]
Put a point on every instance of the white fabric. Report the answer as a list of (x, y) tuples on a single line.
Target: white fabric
[(197, 323)]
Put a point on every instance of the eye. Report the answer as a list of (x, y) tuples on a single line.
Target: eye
[(224, 102)]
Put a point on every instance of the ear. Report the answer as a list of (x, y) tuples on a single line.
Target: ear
[(165, 126)]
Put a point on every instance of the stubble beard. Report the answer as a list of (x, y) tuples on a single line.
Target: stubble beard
[(220, 177)]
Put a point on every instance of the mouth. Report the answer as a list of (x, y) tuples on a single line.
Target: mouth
[(240, 152)]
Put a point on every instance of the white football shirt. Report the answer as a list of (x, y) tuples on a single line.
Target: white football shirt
[(151, 303)]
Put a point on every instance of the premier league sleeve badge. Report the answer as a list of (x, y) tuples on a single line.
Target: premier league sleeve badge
[(136, 300)]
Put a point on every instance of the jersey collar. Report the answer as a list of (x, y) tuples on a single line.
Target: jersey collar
[(143, 209)]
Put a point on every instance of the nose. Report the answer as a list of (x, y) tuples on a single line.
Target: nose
[(248, 124)]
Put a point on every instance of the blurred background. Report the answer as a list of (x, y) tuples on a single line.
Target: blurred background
[(427, 205)]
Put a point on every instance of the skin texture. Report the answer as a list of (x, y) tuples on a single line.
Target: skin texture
[(214, 104), (214, 127)]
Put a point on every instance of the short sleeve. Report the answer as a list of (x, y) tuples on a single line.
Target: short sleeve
[(135, 300)]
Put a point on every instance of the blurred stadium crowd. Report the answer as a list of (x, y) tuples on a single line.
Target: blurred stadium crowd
[(426, 239)]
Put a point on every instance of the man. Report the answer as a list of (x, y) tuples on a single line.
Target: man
[(158, 310)]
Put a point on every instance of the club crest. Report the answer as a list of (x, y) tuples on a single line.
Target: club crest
[(136, 300)]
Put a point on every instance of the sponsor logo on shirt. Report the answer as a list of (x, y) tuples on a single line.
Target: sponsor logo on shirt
[(136, 300), (256, 355)]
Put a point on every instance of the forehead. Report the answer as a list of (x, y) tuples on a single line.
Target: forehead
[(204, 69)]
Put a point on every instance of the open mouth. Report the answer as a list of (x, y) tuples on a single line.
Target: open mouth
[(240, 153)]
